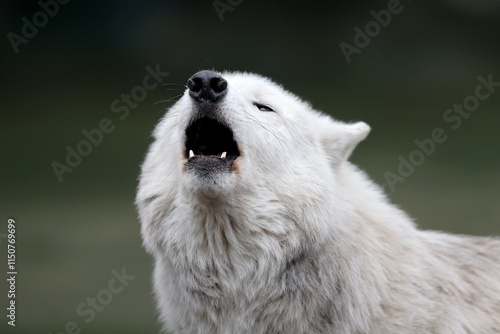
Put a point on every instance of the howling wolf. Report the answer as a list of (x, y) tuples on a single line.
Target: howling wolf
[(258, 224)]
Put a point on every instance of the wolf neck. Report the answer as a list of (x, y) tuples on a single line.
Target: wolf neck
[(255, 229), (245, 249), (259, 224), (228, 235)]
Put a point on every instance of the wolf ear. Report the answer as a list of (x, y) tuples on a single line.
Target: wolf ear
[(340, 139)]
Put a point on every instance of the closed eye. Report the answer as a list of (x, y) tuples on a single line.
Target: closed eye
[(263, 107)]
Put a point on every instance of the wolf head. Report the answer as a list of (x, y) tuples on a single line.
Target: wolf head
[(233, 129), (235, 136)]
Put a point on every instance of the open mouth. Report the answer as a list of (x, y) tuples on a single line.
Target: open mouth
[(208, 138)]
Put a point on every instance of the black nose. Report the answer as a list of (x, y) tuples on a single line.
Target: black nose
[(207, 86)]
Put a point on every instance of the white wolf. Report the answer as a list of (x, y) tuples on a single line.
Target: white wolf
[(259, 224)]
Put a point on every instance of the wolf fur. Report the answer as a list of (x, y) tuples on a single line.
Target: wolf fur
[(296, 239)]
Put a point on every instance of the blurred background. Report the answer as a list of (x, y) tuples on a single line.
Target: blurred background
[(65, 70)]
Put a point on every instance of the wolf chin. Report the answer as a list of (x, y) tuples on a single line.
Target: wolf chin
[(257, 223)]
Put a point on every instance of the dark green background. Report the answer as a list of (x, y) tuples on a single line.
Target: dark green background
[(71, 234)]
